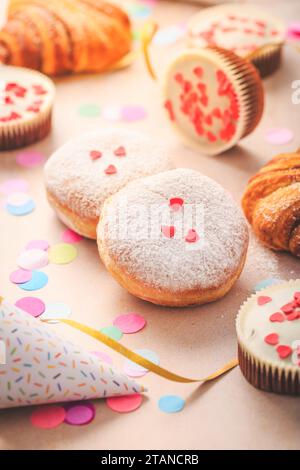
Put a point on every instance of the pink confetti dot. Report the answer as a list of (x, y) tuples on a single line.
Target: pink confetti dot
[(38, 245), (20, 276), (125, 404), (69, 236), (130, 323), (133, 113), (279, 136), (103, 356), (29, 159), (14, 185), (79, 414), (31, 305), (33, 259), (48, 417)]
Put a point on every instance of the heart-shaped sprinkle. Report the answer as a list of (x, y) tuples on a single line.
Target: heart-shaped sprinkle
[(110, 170), (297, 296), (272, 339), (277, 317), (292, 316), (284, 351), (168, 230), (192, 236), (263, 299), (120, 152), (198, 71), (288, 308), (176, 203), (95, 154)]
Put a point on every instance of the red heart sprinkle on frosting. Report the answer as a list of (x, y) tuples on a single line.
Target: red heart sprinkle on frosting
[(192, 236), (110, 170), (198, 71), (284, 351), (120, 152), (277, 317), (288, 308), (176, 203), (263, 299), (293, 316), (272, 339), (168, 230), (95, 154)]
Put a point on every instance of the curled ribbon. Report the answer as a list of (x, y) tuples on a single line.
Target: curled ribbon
[(113, 344)]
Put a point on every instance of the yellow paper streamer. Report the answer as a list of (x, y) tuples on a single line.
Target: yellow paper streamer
[(147, 34), (113, 344)]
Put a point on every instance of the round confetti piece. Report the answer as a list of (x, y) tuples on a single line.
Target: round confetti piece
[(20, 276), (79, 414), (125, 404), (133, 113), (140, 12), (69, 236), (134, 368), (266, 283), (168, 35), (134, 374), (18, 199), (171, 404), (130, 323), (33, 259), (62, 253), (293, 31), (38, 245), (113, 332), (89, 110), (48, 417), (103, 356), (14, 185), (37, 281), (31, 305), (112, 113), (55, 310), (29, 159), (21, 210), (279, 136)]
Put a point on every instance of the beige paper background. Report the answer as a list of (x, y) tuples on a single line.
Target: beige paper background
[(227, 414)]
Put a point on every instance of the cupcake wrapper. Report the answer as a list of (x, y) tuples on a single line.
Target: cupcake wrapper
[(25, 133), (268, 62), (267, 377)]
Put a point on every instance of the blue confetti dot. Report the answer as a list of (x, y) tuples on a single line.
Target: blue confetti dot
[(38, 280), (21, 210), (171, 404), (266, 283)]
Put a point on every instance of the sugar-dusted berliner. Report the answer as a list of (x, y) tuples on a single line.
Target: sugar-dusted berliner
[(81, 174), (176, 238)]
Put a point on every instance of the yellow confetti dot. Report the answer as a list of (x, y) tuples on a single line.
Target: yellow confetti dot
[(62, 253)]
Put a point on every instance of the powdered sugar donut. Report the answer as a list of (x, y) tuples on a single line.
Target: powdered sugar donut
[(81, 174), (176, 238)]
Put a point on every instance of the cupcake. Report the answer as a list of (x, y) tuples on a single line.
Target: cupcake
[(268, 331), (213, 98), (26, 99), (250, 32)]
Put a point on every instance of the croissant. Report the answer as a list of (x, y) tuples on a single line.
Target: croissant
[(271, 203), (64, 36)]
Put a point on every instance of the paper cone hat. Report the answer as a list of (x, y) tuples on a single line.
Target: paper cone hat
[(36, 366)]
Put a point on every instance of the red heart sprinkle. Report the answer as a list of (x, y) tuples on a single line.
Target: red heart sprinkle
[(272, 339), (110, 170), (297, 296), (277, 317), (284, 351), (192, 236), (168, 230), (176, 203), (169, 107), (198, 71), (95, 154), (292, 316), (120, 152), (263, 299), (288, 308)]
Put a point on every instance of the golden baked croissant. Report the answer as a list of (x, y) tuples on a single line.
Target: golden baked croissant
[(61, 36), (272, 203)]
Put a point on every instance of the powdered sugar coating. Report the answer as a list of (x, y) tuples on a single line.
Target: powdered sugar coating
[(172, 263), (80, 182)]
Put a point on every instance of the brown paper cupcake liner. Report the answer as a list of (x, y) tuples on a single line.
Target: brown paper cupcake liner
[(268, 62), (26, 132)]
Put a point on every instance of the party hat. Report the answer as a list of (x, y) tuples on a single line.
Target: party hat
[(36, 366)]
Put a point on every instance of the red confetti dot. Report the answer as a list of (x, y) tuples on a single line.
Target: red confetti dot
[(95, 154), (48, 417), (120, 152), (263, 299), (192, 236), (272, 339), (284, 351), (125, 404), (110, 170), (168, 230), (277, 317)]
